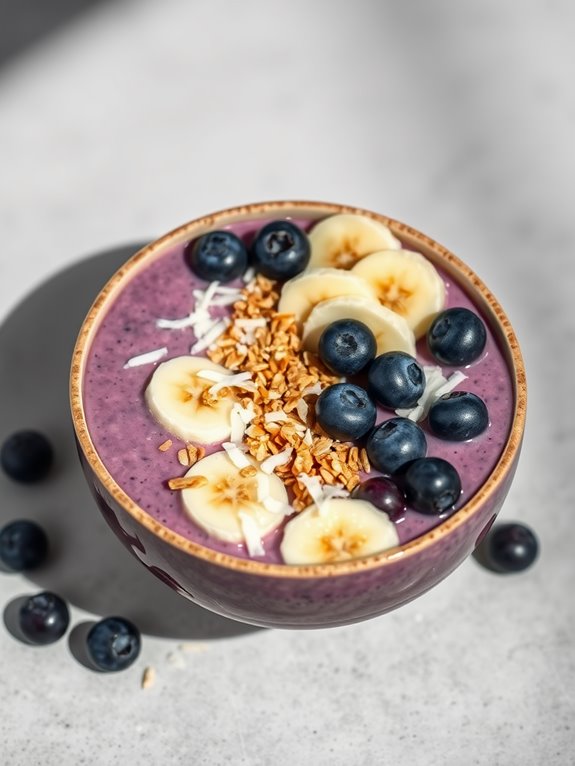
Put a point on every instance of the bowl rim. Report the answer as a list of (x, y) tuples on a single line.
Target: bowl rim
[(465, 276)]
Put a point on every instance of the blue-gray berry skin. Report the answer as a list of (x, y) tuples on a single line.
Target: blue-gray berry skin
[(511, 547), (394, 443), (458, 416), (396, 380), (457, 336), (23, 545), (345, 411), (347, 346), (44, 618), (217, 256), (280, 250), (432, 485), (113, 644), (26, 456)]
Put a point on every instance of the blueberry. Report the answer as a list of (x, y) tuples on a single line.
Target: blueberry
[(26, 456), (384, 494), (394, 443), (346, 346), (511, 548), (23, 545), (280, 250), (113, 643), (432, 485), (458, 416), (396, 380), (44, 618), (345, 411), (456, 336), (218, 255)]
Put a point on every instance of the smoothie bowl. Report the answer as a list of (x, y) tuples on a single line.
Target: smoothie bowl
[(298, 414)]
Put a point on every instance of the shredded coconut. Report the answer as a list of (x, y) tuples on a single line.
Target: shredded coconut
[(249, 274), (276, 417), (148, 358), (315, 389), (218, 329), (436, 385), (302, 410), (313, 485), (274, 461), (251, 534), (236, 455), (238, 425)]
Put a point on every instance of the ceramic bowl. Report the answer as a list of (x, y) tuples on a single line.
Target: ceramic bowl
[(279, 596)]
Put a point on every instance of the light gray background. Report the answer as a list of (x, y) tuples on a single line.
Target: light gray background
[(130, 117)]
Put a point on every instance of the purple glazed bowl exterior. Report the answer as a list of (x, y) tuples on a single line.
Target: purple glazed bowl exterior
[(319, 596)]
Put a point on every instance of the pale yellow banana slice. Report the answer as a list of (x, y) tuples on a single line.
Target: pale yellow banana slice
[(391, 331), (344, 529), (174, 396), (342, 240), (407, 283), (302, 293), (231, 507)]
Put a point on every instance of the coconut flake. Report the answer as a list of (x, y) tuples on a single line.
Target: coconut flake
[(214, 375), (248, 413), (251, 324), (251, 534), (241, 380), (276, 506), (236, 455), (249, 274), (451, 382), (214, 333), (148, 358), (436, 385), (315, 389), (237, 424), (302, 410), (221, 290), (278, 416), (207, 297), (225, 300), (313, 486), (272, 462), (180, 324), (308, 438)]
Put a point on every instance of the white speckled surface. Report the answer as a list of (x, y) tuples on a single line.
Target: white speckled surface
[(455, 117)]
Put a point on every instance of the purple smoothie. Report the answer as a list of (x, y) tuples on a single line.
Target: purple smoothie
[(126, 436)]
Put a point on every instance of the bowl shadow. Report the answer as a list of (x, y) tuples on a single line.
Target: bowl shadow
[(86, 564)]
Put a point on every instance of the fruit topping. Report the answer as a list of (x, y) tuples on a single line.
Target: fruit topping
[(217, 255), (394, 443), (26, 456), (23, 545), (457, 336), (280, 250), (44, 618), (340, 241), (510, 548), (113, 644), (341, 530), (396, 380), (406, 283), (432, 485), (458, 416), (346, 346), (390, 330), (345, 411), (384, 494)]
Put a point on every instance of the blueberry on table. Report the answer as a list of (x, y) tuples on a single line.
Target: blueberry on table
[(23, 545), (217, 256), (345, 411), (44, 618), (113, 644), (511, 547), (432, 485), (456, 336), (394, 443), (396, 380), (458, 416), (26, 456), (280, 250), (347, 346), (384, 494)]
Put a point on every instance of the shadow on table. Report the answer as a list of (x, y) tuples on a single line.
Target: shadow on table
[(87, 566), (26, 22)]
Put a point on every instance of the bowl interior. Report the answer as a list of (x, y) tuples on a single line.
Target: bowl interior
[(411, 239)]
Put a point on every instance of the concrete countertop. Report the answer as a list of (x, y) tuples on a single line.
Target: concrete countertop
[(131, 117)]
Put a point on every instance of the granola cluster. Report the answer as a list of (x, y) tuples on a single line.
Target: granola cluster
[(288, 381)]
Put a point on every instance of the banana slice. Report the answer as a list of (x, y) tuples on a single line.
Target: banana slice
[(342, 240), (345, 529), (407, 283), (229, 506), (392, 333), (302, 293), (174, 396)]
